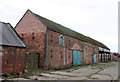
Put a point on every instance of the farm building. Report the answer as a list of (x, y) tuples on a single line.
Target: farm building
[(114, 56), (12, 50), (56, 45), (104, 55)]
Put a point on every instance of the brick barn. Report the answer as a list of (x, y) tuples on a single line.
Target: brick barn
[(56, 44), (104, 55), (12, 50)]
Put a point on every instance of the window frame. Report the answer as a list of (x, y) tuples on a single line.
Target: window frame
[(93, 48), (62, 40), (86, 45)]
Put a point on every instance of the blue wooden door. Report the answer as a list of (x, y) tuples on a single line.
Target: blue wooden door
[(79, 58), (94, 58), (76, 57)]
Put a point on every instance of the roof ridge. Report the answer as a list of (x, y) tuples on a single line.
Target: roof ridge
[(62, 29)]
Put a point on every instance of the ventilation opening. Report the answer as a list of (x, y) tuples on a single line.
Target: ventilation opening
[(22, 36), (33, 36)]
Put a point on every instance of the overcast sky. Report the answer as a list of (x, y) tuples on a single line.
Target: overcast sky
[(97, 19)]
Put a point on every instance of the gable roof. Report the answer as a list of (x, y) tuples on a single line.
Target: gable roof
[(64, 30), (9, 37)]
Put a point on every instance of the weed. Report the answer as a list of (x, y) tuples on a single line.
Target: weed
[(95, 78)]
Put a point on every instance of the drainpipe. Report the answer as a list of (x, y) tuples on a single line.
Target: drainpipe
[(98, 55), (101, 57), (83, 52), (46, 45)]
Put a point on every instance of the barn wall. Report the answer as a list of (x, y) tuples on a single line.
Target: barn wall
[(55, 56), (61, 55), (29, 24), (13, 59), (88, 53), (33, 32)]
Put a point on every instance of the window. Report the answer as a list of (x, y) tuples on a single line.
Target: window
[(51, 56), (51, 51), (61, 56), (51, 35), (66, 46), (61, 40), (69, 42), (85, 46), (51, 41)]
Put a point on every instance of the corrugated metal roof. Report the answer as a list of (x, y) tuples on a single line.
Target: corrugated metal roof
[(9, 37)]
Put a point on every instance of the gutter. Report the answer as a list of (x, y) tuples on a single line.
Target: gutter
[(98, 56), (73, 37)]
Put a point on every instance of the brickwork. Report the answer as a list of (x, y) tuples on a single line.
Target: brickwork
[(89, 52), (13, 59), (56, 52), (33, 32), (29, 24)]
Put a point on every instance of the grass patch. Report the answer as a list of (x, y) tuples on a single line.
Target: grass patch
[(69, 75), (12, 75), (89, 76), (64, 75), (118, 77), (95, 78)]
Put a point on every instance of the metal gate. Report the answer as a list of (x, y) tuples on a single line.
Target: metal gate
[(76, 57)]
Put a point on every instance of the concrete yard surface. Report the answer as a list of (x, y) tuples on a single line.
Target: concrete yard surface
[(102, 71)]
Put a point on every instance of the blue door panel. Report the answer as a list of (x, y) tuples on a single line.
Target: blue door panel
[(94, 58), (76, 57)]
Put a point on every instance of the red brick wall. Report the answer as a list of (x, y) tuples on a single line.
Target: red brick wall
[(36, 45), (55, 56), (88, 53), (13, 59), (57, 51), (33, 33)]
